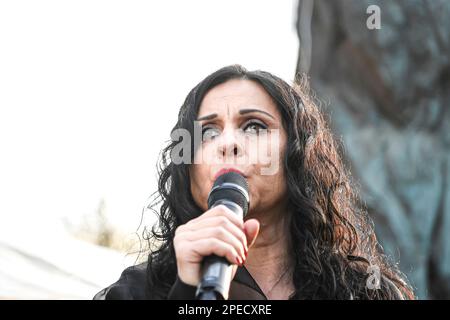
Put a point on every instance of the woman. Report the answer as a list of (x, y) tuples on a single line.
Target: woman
[(305, 235)]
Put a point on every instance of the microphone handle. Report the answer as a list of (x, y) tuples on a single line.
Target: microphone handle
[(217, 271)]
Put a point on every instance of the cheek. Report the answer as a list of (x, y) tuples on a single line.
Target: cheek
[(200, 185), (269, 184), (267, 152), (204, 160)]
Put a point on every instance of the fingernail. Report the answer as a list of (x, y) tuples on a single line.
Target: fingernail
[(238, 261)]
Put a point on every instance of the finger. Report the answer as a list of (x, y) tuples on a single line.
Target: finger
[(222, 210), (207, 247), (221, 234), (233, 272), (219, 221), (251, 229)]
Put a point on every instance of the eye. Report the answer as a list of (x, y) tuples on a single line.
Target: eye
[(209, 133), (254, 127)]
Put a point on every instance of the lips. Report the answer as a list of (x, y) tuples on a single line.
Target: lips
[(225, 170)]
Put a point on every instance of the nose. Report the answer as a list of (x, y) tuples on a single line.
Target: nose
[(229, 145)]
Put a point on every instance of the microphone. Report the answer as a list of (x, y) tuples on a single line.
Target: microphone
[(229, 189)]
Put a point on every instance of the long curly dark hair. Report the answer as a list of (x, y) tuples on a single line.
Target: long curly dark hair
[(336, 253)]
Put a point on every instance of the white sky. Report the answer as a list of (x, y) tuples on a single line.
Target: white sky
[(89, 91)]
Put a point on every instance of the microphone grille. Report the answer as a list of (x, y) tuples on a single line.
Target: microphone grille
[(232, 186), (232, 177)]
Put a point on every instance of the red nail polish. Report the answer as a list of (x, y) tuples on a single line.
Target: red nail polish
[(238, 261)]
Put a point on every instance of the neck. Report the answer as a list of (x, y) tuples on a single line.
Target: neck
[(270, 254)]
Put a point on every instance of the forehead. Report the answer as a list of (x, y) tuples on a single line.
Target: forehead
[(236, 94)]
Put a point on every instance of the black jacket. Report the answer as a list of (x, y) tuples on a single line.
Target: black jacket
[(132, 285)]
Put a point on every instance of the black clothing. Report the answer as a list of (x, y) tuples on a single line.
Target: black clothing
[(132, 285)]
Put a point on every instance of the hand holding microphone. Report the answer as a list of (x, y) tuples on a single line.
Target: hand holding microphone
[(209, 247)]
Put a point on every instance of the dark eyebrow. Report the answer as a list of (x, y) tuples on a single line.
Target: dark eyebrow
[(244, 111), (208, 117)]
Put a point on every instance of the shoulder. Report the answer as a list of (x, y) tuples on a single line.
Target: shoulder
[(132, 284)]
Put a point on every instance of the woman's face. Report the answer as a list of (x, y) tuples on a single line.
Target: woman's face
[(241, 130)]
